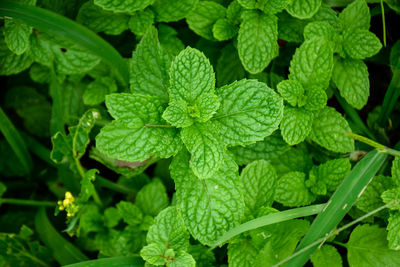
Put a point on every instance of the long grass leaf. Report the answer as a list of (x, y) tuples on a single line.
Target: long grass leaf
[(56, 24), (63, 251), (16, 142), (340, 203), (111, 262)]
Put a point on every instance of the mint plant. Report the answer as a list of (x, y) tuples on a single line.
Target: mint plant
[(199, 133)]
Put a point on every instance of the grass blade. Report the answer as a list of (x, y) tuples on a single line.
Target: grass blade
[(340, 203), (111, 262), (63, 251), (391, 96), (16, 142), (269, 219), (56, 24)]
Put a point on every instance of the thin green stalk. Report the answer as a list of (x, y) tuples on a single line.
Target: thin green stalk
[(103, 182), (131, 261), (376, 145), (25, 202), (47, 21), (339, 204), (33, 258), (391, 96), (383, 23), (353, 115), (322, 240), (16, 142), (269, 219)]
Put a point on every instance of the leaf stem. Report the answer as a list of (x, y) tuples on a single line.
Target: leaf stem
[(25, 202), (383, 23), (376, 145), (322, 240)]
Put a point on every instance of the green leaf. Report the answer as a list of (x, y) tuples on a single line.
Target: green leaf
[(303, 9), (259, 180), (327, 255), (272, 6), (191, 76), (203, 255), (355, 16), (136, 125), (203, 17), (312, 63), (126, 6), (169, 40), (169, 229), (316, 98), (296, 159), (242, 253), (249, 112), (224, 30), (392, 197), (152, 198), (328, 175), (351, 78), (172, 10), (41, 51), (63, 251), (17, 35), (130, 213), (111, 217), (177, 114), (141, 21), (368, 244), (393, 229), (318, 29), (149, 67), (209, 207), (87, 187), (360, 44), (396, 170), (292, 91), (11, 63), (371, 197), (257, 40), (296, 124), (271, 147), (229, 68), (99, 20), (155, 254), (234, 12), (182, 259), (97, 90), (291, 190), (329, 131), (204, 144)]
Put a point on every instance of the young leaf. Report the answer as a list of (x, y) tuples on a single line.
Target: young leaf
[(97, 90), (326, 256), (292, 91), (303, 9), (329, 130), (172, 10), (169, 229), (177, 114), (149, 67), (203, 17), (212, 206), (318, 29), (351, 78), (249, 112), (259, 180), (130, 213), (11, 63), (257, 40), (141, 21), (291, 190), (360, 44), (393, 229), (356, 16), (368, 244), (126, 6), (296, 124), (41, 52), (316, 98), (191, 76), (16, 35), (224, 30), (156, 254), (152, 198), (312, 63), (204, 144), (100, 20)]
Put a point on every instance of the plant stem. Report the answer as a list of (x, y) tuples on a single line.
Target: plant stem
[(378, 146), (25, 202), (383, 23), (322, 240), (103, 182), (353, 115)]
